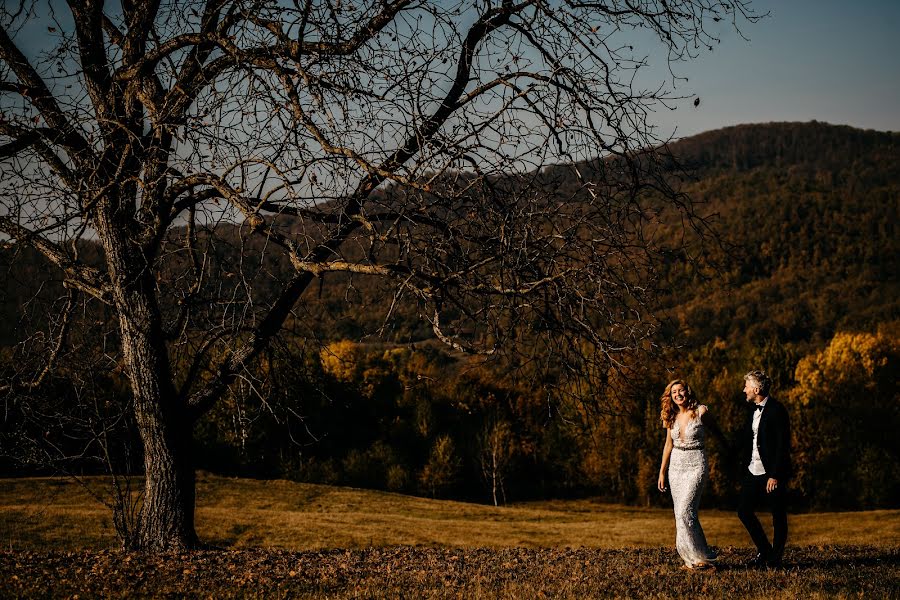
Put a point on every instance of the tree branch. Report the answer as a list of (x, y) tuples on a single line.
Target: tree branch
[(35, 90), (88, 17), (77, 275), (54, 352)]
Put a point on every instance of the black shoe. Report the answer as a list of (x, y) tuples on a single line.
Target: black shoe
[(757, 562), (774, 562)]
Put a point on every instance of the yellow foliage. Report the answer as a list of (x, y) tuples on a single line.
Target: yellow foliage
[(850, 363), (341, 360)]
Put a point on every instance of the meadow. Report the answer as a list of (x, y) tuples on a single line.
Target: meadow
[(286, 539)]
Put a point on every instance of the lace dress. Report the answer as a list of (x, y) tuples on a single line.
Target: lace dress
[(688, 472)]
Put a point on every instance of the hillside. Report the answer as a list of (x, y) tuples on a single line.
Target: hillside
[(808, 212), (811, 211), (807, 215), (819, 146), (59, 514)]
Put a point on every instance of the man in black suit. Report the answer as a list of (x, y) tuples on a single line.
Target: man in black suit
[(766, 453)]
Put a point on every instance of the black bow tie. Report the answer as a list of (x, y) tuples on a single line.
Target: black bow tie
[(759, 407)]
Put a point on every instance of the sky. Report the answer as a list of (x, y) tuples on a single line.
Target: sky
[(824, 60)]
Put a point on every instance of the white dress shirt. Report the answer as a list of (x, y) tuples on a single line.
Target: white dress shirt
[(756, 467)]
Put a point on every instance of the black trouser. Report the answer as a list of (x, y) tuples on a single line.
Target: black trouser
[(753, 493)]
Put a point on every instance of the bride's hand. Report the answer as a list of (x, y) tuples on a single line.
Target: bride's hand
[(661, 484)]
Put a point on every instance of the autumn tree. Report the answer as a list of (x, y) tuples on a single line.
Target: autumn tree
[(226, 154), (442, 467), (846, 402)]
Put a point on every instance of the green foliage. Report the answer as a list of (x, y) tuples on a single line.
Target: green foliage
[(808, 213)]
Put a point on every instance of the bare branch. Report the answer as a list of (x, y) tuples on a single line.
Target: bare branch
[(65, 321), (35, 90), (76, 275)]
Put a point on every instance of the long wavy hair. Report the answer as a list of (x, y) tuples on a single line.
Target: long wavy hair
[(669, 410)]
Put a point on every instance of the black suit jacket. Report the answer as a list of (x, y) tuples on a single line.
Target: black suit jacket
[(773, 440)]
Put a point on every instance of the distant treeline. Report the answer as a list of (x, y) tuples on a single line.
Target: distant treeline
[(415, 421)]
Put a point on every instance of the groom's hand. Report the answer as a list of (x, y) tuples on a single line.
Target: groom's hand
[(771, 485)]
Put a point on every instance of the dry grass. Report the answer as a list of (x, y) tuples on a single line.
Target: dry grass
[(417, 572), (58, 514), (295, 540)]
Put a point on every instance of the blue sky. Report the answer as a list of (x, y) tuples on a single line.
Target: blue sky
[(828, 60)]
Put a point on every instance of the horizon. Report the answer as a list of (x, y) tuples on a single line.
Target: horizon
[(807, 61)]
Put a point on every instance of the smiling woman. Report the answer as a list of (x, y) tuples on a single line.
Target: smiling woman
[(226, 154), (685, 466)]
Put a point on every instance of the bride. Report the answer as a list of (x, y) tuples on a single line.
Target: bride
[(684, 459)]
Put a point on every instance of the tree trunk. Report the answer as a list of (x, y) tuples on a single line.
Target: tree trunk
[(167, 515), (166, 520), (494, 474)]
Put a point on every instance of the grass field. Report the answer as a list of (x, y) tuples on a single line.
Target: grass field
[(284, 539), (59, 514)]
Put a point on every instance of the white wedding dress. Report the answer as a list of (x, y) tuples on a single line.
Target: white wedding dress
[(688, 472)]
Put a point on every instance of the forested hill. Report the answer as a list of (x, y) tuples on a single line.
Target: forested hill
[(814, 145), (812, 212), (809, 211)]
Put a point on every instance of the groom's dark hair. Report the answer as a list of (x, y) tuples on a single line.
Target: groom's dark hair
[(761, 379)]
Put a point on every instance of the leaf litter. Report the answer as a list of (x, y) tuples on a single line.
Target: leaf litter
[(429, 572)]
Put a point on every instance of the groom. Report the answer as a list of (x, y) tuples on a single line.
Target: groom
[(765, 452)]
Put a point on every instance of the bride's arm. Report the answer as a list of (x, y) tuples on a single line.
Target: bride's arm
[(664, 467)]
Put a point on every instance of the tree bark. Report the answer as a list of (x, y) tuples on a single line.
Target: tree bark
[(166, 520)]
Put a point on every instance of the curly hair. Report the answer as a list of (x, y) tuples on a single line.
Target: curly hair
[(669, 409)]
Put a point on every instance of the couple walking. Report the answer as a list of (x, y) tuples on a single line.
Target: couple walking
[(765, 456)]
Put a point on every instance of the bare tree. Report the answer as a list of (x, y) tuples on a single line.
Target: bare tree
[(199, 141), (496, 449)]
